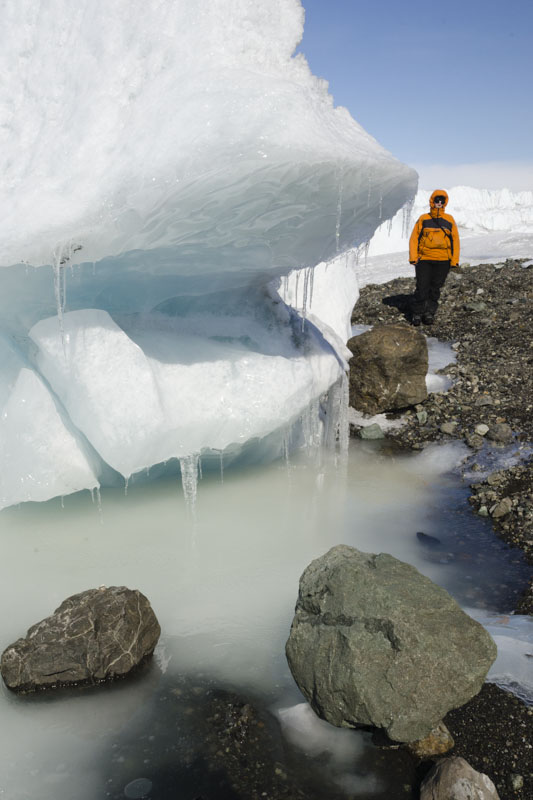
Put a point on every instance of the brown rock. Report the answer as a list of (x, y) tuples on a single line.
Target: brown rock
[(436, 743), (388, 369)]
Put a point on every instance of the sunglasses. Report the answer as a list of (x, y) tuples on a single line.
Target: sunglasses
[(439, 199)]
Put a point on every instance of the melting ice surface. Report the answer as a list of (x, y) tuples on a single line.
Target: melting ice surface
[(164, 165)]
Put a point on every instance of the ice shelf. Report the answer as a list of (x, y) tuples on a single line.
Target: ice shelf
[(165, 166)]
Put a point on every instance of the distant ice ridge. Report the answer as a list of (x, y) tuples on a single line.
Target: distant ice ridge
[(476, 211), (165, 165)]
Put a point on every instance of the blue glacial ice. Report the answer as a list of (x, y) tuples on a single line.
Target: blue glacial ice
[(166, 166)]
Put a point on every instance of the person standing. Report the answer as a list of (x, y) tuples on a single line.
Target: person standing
[(433, 249)]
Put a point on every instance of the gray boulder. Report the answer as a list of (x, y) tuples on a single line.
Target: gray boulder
[(93, 636), (375, 643), (500, 432), (388, 369), (454, 779)]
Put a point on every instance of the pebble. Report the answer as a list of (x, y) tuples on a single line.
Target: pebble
[(517, 782), (371, 432), (502, 508), (481, 429), (448, 427)]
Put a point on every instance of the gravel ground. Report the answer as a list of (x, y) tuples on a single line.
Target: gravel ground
[(486, 313)]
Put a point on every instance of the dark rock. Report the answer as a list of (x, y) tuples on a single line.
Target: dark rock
[(94, 636), (500, 432), (454, 779), (388, 369), (375, 643), (427, 540)]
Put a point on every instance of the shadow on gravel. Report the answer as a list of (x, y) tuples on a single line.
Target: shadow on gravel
[(400, 301)]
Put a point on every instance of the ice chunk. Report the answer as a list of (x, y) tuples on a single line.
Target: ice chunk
[(41, 457), (168, 388), (183, 157)]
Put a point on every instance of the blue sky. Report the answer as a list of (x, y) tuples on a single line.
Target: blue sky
[(437, 83)]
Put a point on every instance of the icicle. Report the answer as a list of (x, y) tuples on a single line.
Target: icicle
[(286, 447), (189, 480), (389, 226), (126, 483), (296, 284), (340, 180), (311, 284), (60, 295), (343, 424), (336, 434), (308, 272), (380, 207), (221, 457), (200, 475), (407, 210), (61, 256), (99, 504), (366, 246), (311, 428)]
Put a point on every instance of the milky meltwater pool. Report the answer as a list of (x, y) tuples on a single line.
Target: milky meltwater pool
[(223, 586)]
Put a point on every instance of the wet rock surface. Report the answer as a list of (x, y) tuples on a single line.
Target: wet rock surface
[(375, 643), (490, 404), (97, 635)]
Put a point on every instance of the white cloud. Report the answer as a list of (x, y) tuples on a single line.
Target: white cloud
[(514, 175)]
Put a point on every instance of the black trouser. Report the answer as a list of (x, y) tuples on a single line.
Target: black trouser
[(430, 277)]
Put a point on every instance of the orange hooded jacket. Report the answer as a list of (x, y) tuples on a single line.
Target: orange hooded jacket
[(435, 236)]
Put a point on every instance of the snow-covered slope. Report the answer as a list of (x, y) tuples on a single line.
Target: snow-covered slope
[(163, 163), (476, 211)]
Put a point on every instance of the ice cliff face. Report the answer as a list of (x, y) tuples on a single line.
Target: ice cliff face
[(163, 162), (476, 211)]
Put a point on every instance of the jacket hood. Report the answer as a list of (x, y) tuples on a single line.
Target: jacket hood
[(436, 194)]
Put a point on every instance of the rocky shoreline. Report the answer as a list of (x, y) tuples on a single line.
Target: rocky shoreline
[(486, 314)]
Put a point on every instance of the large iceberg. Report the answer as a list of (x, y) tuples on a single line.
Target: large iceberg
[(170, 171)]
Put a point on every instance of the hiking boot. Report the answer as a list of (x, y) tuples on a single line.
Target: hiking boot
[(428, 319), (415, 320)]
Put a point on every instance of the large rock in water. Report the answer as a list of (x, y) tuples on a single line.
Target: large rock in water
[(375, 643), (388, 368), (93, 636)]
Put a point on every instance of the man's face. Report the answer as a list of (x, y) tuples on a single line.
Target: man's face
[(438, 201)]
